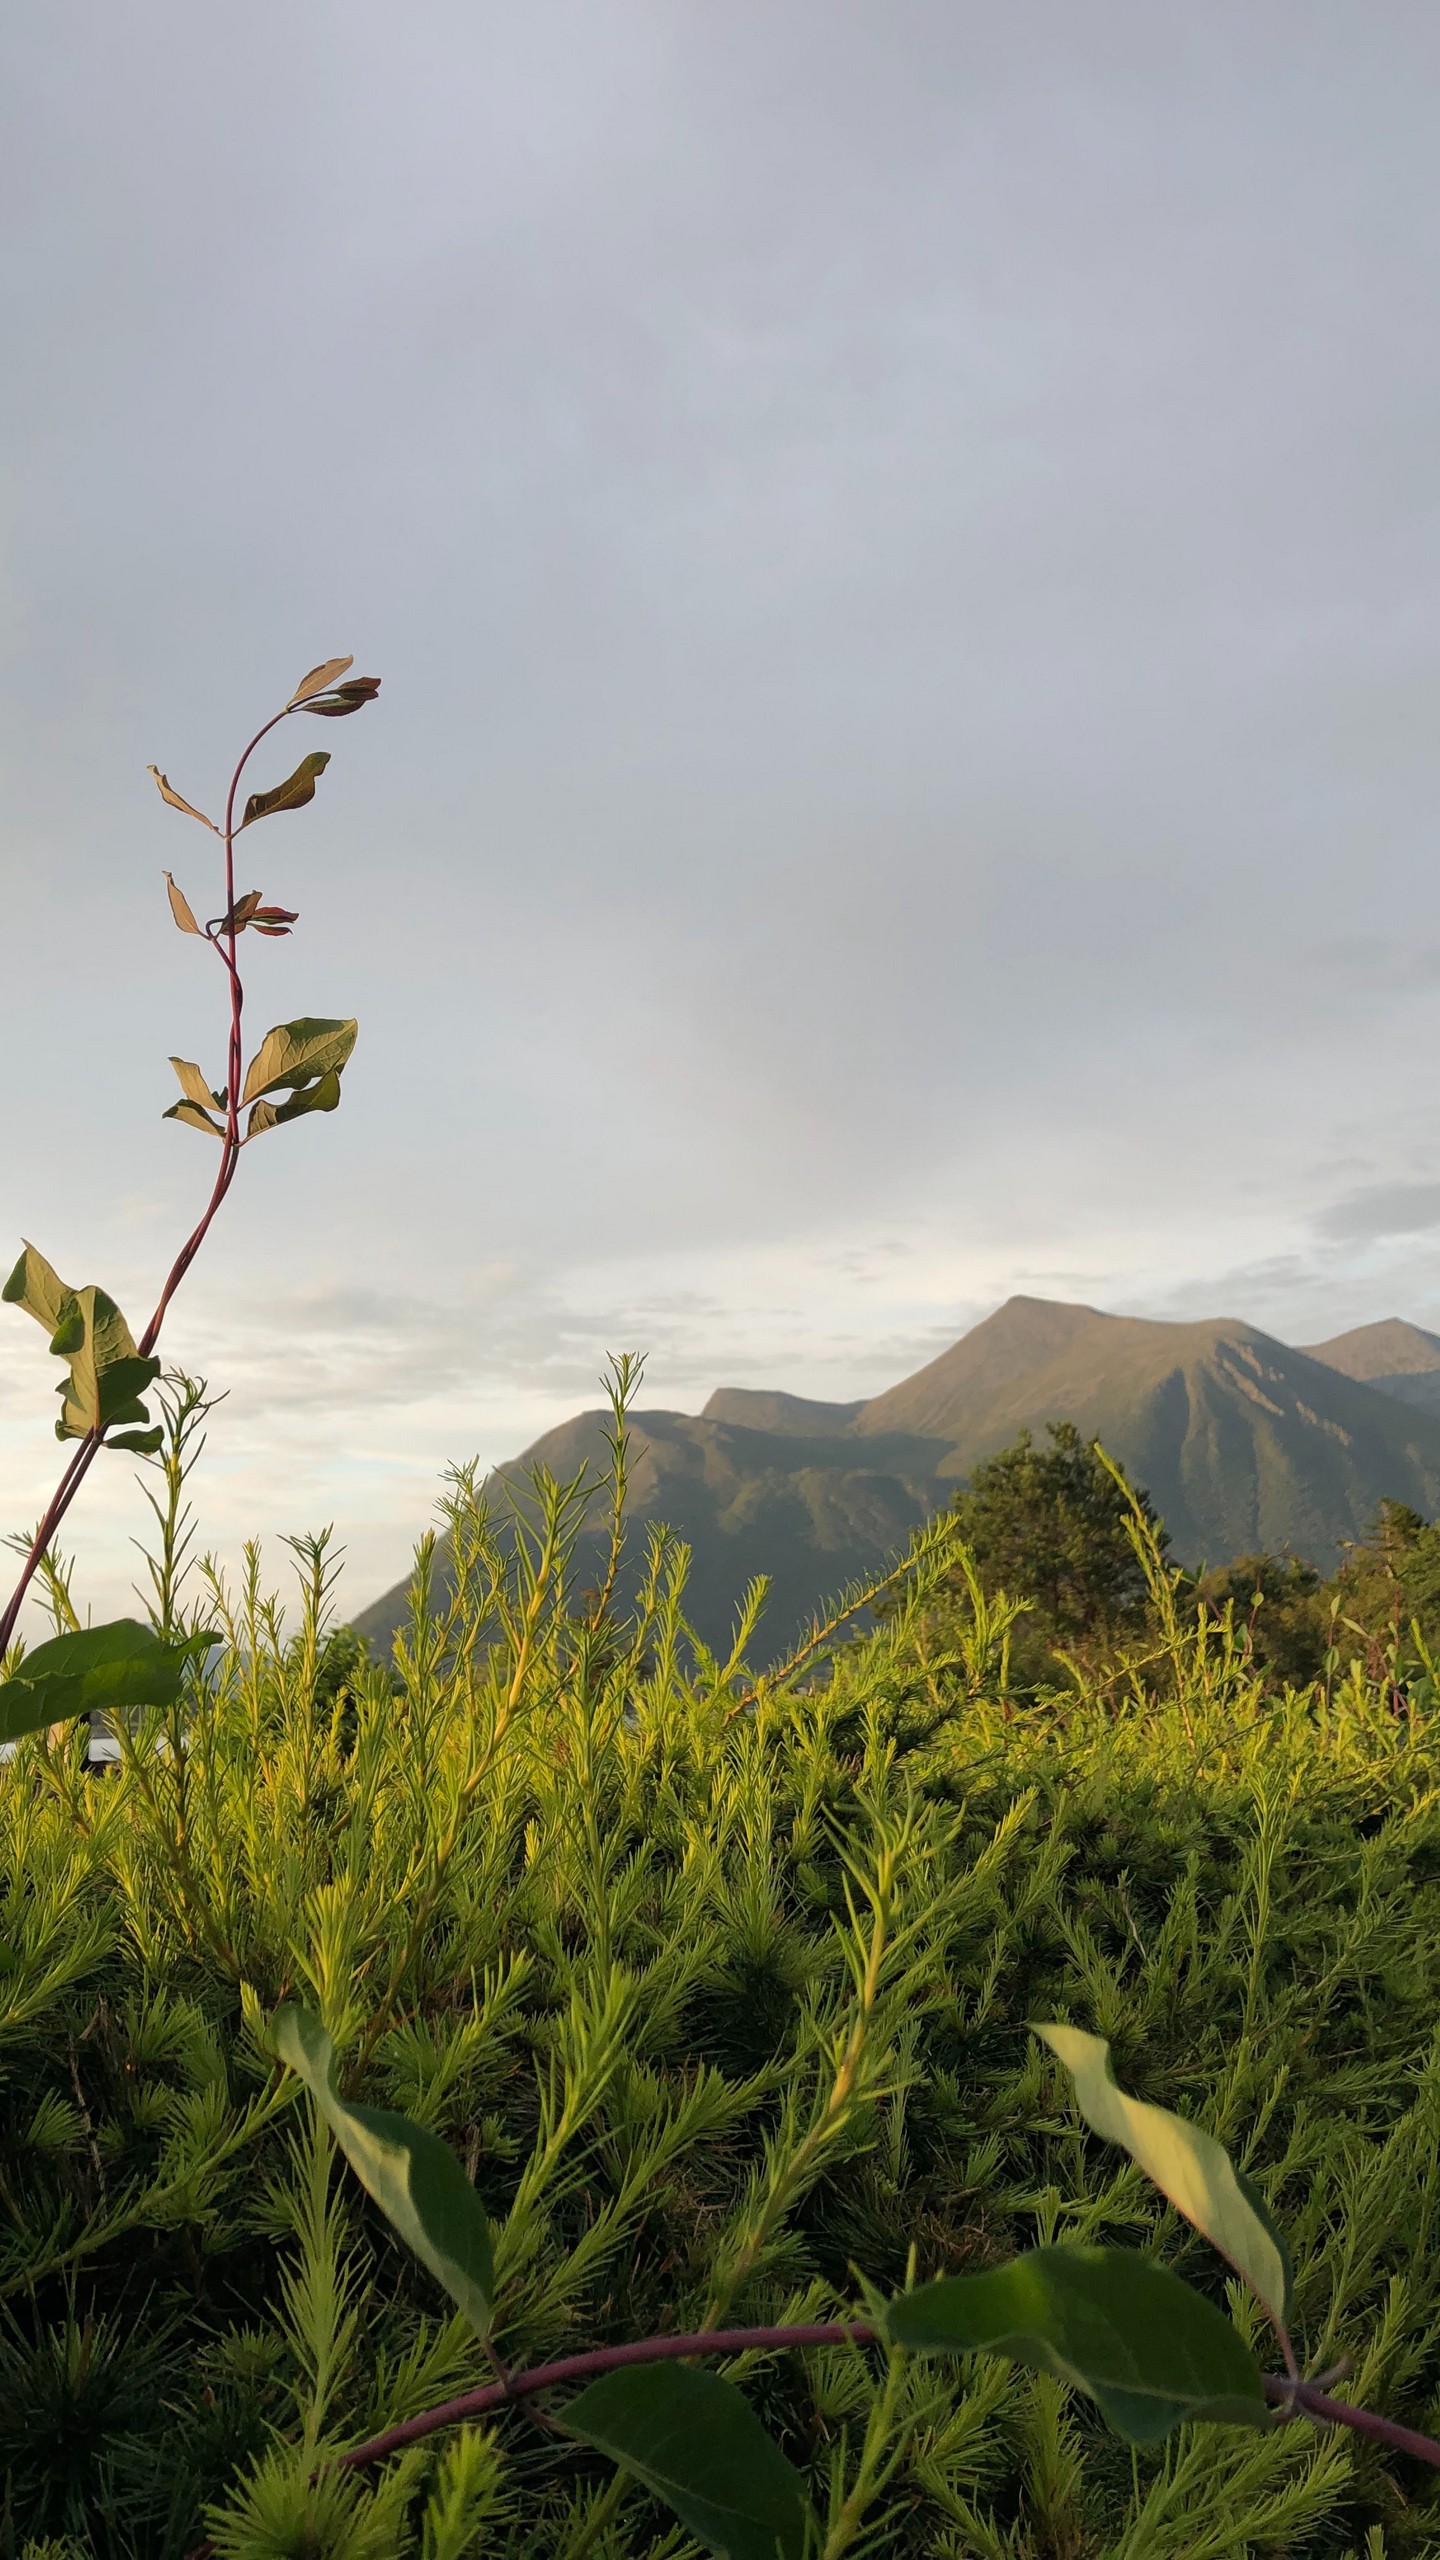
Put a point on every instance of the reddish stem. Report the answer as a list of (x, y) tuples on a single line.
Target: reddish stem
[(1342, 2413), (80, 1464), (548, 2377), (1278, 2388)]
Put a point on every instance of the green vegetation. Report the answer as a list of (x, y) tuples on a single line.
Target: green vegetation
[(554, 2089), (718, 1991)]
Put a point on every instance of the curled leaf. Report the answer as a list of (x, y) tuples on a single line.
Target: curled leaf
[(323, 1095), (194, 1116), (413, 2176), (1187, 2164), (180, 907), (293, 793), (107, 1374), (37, 1288), (346, 698), (296, 1053), (174, 801), (318, 679)]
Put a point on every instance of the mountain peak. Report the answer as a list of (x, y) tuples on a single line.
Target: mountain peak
[(1392, 1348)]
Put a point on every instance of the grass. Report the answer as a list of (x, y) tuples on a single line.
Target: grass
[(720, 1988)]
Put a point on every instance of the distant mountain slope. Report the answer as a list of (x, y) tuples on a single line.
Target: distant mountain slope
[(1401, 1359), (811, 1512), (1241, 1442)]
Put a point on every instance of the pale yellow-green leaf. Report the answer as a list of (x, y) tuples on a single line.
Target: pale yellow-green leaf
[(175, 802), (1187, 2165), (195, 1116), (296, 1052), (193, 1085), (180, 907), (35, 1287), (318, 680)]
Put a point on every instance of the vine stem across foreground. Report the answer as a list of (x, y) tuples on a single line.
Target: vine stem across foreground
[(1280, 2389)]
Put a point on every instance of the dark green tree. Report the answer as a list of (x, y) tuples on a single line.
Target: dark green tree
[(1389, 1583), (1051, 1525), (1281, 1610)]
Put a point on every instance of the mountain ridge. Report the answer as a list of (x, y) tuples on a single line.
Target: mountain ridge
[(1243, 1442)]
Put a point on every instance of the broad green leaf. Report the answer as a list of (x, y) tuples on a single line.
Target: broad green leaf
[(1151, 2350), (100, 1669), (193, 1084), (413, 2176), (180, 907), (293, 793), (297, 1053), (143, 1443), (318, 679), (696, 2443), (175, 801), (35, 1287), (194, 1118), (108, 1376), (1187, 2165)]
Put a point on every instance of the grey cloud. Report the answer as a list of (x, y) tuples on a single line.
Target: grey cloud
[(1383, 1209)]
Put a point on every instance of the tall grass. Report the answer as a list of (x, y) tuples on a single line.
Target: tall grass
[(719, 1986)]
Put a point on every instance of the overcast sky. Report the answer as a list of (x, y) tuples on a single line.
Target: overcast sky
[(902, 545)]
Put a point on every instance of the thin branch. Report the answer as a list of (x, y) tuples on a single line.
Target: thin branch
[(548, 2377), (1278, 2388)]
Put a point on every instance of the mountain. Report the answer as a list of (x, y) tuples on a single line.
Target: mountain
[(1402, 1360), (1241, 1442)]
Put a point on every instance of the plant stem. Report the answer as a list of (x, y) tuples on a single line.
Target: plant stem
[(1326, 2412), (1279, 2388), (548, 2377), (84, 1457)]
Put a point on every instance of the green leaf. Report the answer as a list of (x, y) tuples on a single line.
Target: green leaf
[(1187, 2165), (1151, 2350), (318, 679), (297, 1053), (414, 2177), (290, 794), (194, 1118), (321, 1096), (108, 1375), (696, 2443), (100, 1669), (35, 1287), (143, 1443)]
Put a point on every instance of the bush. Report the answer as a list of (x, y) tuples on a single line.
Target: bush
[(718, 1990)]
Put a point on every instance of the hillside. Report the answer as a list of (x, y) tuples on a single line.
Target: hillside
[(1402, 1360), (1242, 1443)]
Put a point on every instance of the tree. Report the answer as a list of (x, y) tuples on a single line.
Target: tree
[(1052, 1526)]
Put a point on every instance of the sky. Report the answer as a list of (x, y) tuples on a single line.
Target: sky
[(902, 546)]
